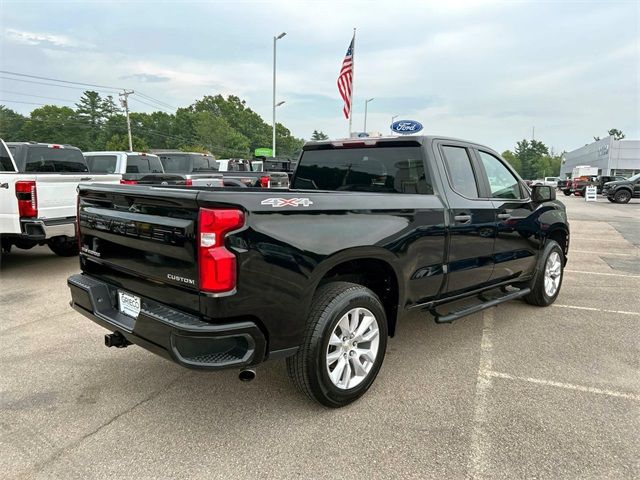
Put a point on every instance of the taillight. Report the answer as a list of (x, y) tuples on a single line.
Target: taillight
[(128, 182), (265, 182), (27, 198), (217, 265), (188, 182)]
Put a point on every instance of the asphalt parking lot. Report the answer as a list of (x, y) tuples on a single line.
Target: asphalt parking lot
[(513, 392)]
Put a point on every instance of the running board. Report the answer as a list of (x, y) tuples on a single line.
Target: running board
[(486, 303)]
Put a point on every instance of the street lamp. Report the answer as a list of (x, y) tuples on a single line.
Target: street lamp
[(392, 119), (366, 103), (275, 39)]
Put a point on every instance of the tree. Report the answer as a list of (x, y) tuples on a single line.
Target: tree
[(53, 124), (121, 142), (528, 153), (11, 124), (319, 135), (514, 161), (616, 134), (95, 111), (215, 133)]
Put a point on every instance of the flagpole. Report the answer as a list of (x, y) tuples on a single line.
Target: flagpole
[(353, 72)]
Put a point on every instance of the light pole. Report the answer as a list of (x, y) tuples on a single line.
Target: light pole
[(273, 145), (366, 103), (393, 117)]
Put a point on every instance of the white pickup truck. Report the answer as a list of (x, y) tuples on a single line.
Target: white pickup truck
[(38, 195), (139, 168)]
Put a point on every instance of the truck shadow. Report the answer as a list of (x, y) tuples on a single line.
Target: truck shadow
[(36, 259)]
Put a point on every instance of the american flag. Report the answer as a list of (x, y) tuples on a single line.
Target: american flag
[(345, 80)]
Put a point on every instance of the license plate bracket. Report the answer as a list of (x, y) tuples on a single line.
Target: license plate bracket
[(129, 304)]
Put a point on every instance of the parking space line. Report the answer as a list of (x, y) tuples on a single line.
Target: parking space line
[(568, 386), (479, 440), (603, 273), (606, 254), (592, 309)]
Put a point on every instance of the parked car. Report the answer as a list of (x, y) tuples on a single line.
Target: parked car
[(145, 169), (565, 186), (621, 191), (234, 173), (549, 181), (581, 184), (38, 183), (322, 273)]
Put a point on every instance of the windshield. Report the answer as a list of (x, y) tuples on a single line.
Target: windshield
[(635, 178), (41, 159), (368, 169)]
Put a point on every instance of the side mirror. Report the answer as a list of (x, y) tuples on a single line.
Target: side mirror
[(542, 193)]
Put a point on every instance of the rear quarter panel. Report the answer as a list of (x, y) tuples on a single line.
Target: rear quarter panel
[(283, 252)]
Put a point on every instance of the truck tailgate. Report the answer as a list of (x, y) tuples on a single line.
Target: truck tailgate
[(57, 192), (142, 242)]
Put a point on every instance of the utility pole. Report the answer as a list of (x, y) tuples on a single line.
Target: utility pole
[(273, 104), (124, 101)]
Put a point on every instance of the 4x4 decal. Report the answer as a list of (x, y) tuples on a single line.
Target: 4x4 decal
[(287, 202)]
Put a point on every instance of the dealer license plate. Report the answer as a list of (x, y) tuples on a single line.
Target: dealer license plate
[(129, 304)]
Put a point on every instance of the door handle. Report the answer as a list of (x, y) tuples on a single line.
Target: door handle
[(504, 216), (462, 218)]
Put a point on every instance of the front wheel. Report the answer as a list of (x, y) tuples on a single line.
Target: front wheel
[(344, 345), (611, 199), (63, 247), (547, 281), (567, 192), (622, 196)]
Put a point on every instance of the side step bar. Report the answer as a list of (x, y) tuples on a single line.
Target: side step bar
[(486, 303)]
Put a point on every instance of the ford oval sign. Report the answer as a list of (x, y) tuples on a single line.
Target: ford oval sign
[(406, 127)]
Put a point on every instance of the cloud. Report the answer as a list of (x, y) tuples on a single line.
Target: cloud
[(44, 39), (147, 78)]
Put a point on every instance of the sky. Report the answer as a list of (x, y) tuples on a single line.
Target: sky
[(486, 71)]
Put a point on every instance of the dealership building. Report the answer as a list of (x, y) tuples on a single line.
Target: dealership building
[(611, 157)]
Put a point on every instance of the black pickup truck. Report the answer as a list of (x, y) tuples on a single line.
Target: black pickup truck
[(622, 190), (190, 162), (322, 273)]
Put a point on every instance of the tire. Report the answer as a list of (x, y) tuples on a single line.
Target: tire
[(622, 196), (310, 367), (567, 192), (63, 248), (540, 295), (611, 199)]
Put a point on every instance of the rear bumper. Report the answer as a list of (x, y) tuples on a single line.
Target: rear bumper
[(175, 335), (38, 229)]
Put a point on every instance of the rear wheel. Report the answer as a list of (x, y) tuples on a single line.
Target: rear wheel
[(567, 192), (63, 247), (622, 196), (547, 281), (611, 199), (344, 346)]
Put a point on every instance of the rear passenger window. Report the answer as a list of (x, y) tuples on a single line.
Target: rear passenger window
[(460, 171)]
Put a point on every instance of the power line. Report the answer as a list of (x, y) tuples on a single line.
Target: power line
[(150, 105), (26, 103), (159, 102), (37, 96), (57, 80), (52, 84)]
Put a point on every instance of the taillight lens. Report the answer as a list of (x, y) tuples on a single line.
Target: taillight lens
[(188, 182), (128, 182), (265, 182), (27, 198), (217, 265)]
